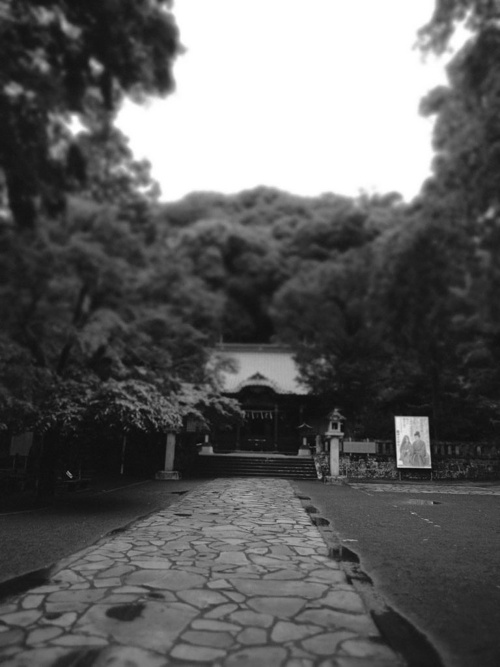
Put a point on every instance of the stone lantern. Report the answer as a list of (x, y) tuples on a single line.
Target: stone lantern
[(335, 434), (206, 447)]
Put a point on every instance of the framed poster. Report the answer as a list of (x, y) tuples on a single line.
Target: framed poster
[(413, 445)]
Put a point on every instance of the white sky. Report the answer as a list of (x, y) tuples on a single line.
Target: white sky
[(310, 97)]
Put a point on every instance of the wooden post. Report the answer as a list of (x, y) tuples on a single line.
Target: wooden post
[(124, 447), (275, 427)]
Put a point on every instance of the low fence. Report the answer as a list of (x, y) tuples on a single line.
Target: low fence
[(450, 461)]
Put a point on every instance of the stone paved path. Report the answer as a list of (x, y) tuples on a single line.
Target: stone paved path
[(234, 574), (459, 489)]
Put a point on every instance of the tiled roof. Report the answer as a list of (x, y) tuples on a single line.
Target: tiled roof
[(264, 365)]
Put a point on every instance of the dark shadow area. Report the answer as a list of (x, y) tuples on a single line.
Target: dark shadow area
[(310, 509), (24, 582), (320, 521), (125, 612), (343, 554), (403, 637), (79, 658)]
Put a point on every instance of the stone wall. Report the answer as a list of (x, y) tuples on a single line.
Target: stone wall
[(451, 461)]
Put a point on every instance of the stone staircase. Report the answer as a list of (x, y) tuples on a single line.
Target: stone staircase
[(286, 467)]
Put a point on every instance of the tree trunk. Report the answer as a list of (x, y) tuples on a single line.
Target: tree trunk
[(47, 465)]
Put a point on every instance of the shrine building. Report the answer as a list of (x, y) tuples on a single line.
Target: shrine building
[(281, 414)]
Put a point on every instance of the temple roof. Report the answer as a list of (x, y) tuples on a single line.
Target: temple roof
[(260, 365)]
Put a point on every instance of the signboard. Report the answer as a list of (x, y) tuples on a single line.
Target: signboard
[(359, 447), (413, 448)]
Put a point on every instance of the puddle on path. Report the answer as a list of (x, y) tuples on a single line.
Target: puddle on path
[(418, 501)]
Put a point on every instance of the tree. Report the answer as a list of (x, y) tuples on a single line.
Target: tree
[(61, 57), (462, 195), (475, 15)]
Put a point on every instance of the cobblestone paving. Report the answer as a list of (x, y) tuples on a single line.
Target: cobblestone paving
[(420, 488), (234, 574)]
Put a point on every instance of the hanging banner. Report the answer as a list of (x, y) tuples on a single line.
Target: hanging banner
[(259, 414), (413, 447)]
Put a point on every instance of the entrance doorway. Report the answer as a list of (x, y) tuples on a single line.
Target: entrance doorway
[(259, 431)]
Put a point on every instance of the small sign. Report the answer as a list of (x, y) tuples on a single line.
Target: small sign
[(413, 449)]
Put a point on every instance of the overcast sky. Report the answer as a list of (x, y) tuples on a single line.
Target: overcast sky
[(310, 97)]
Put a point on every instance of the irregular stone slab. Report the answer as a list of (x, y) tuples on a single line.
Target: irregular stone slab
[(152, 564), (327, 576), (251, 636), (32, 601), (128, 656), (221, 611), (73, 597), (364, 648), (267, 561), (278, 588), (252, 618), (22, 618), (329, 618), (280, 607), (326, 643), (157, 627), (11, 637), (80, 640), (93, 567), (202, 598), (173, 580), (7, 608), (215, 626), (70, 577), (107, 583), (236, 597), (208, 638), (61, 620), (286, 631), (117, 571), (42, 635), (41, 657), (344, 601), (130, 589), (219, 583), (41, 590), (286, 574), (196, 653), (232, 557), (257, 656)]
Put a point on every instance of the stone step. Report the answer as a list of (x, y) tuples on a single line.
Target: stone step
[(234, 466)]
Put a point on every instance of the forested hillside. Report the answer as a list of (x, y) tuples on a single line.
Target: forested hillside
[(111, 300)]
